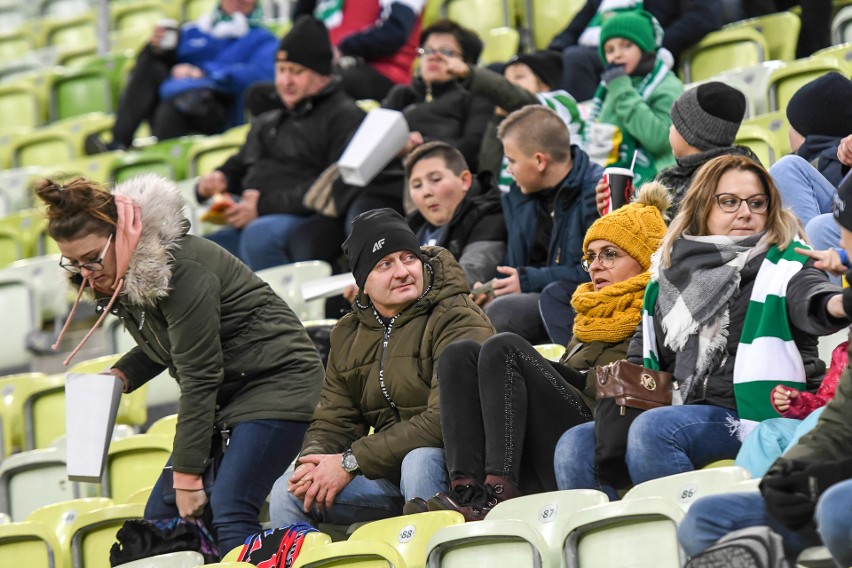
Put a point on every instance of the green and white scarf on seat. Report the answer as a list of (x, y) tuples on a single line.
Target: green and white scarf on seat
[(767, 355)]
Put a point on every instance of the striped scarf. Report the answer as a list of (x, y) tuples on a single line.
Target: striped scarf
[(565, 107), (767, 355), (591, 36)]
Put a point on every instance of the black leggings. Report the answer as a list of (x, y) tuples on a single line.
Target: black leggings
[(503, 408)]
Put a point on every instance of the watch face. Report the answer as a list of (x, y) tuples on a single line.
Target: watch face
[(349, 462)]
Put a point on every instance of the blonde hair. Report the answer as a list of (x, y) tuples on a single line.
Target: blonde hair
[(781, 225), (536, 128)]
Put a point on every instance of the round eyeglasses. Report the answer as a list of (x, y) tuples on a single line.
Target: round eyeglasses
[(445, 51), (730, 203), (95, 265), (606, 258)]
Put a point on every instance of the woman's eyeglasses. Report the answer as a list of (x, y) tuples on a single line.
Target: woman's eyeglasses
[(445, 51), (92, 266), (606, 258), (730, 203)]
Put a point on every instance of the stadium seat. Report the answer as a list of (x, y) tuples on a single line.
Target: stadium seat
[(841, 26), (684, 488), (19, 318), (79, 91), (781, 31), (93, 533), (135, 463), (481, 15), (841, 53), (525, 531), (546, 18), (140, 495), (183, 559), (778, 126), (783, 83), (13, 391), (175, 150), (77, 57), (287, 280), (44, 412), (12, 16), (62, 8), (78, 31), (165, 426), (207, 155), (95, 168), (80, 126), (721, 51), (550, 351), (28, 544), (761, 142), (33, 479), (192, 9), (133, 164), (58, 517), (42, 148), (499, 45), (20, 106), (116, 65), (16, 188), (638, 533), (139, 17)]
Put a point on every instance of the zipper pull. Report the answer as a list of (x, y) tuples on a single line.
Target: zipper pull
[(621, 410)]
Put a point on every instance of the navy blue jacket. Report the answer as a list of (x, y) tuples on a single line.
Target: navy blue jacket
[(821, 152), (574, 212)]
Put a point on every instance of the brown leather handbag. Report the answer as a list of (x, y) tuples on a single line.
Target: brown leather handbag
[(634, 386)]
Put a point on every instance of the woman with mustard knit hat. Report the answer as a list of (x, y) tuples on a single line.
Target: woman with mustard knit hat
[(504, 406)]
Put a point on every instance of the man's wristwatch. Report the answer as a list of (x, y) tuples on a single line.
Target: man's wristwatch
[(349, 463)]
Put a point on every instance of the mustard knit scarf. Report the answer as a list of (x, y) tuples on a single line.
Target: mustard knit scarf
[(611, 314)]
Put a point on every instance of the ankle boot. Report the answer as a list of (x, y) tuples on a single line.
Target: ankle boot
[(462, 491), (502, 488)]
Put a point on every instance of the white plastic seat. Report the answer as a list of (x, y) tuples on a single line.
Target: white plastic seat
[(33, 479), (286, 281), (684, 488)]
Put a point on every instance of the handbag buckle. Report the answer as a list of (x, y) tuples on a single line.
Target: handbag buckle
[(648, 382)]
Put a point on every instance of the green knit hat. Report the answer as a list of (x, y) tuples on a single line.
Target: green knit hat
[(638, 26)]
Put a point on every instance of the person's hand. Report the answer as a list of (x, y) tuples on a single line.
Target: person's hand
[(782, 397), (456, 67), (415, 139), (300, 481), (351, 293), (835, 307), (245, 211), (212, 183), (186, 71), (328, 479), (785, 488), (612, 72), (335, 55), (827, 260), (511, 284), (844, 151), (190, 503), (602, 196), (480, 299), (157, 37), (120, 374)]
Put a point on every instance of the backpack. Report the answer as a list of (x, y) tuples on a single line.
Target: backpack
[(754, 547), (275, 548)]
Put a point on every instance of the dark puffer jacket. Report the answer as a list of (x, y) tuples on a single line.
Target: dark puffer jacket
[(235, 348), (408, 351)]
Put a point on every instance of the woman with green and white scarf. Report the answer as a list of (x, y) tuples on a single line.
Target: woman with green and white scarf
[(732, 311)]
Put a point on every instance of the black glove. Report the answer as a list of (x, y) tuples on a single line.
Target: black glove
[(612, 72)]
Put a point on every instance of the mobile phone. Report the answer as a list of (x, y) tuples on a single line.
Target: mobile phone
[(486, 288)]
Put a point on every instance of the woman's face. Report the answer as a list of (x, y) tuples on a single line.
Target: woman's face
[(433, 63), (90, 250), (436, 190), (620, 51), (620, 266), (741, 184)]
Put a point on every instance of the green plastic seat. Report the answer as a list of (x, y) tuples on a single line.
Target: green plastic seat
[(42, 148), (192, 9), (80, 126), (781, 31), (76, 92), (117, 65), (722, 50), (77, 31), (58, 517), (175, 150), (15, 43), (132, 164), (207, 155), (778, 126), (28, 544), (783, 83), (481, 15), (547, 18), (139, 17), (134, 463), (20, 106), (93, 534), (841, 53), (500, 44), (761, 142)]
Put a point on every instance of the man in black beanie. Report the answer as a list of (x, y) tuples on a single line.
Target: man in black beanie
[(285, 152), (382, 374)]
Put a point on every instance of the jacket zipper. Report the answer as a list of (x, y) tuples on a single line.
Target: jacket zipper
[(382, 386)]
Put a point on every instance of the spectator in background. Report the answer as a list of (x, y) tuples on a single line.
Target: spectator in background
[(284, 153), (685, 23), (456, 210), (631, 110), (548, 210), (374, 43), (382, 374), (195, 87), (815, 32), (820, 116)]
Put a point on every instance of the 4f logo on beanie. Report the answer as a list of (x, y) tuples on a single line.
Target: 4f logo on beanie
[(379, 244)]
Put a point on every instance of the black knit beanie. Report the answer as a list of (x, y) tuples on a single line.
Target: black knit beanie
[(375, 234), (822, 107), (307, 44), (709, 115), (547, 66)]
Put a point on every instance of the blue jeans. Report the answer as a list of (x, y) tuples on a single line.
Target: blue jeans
[(663, 441), (802, 187), (258, 453), (712, 517), (423, 473), (263, 243), (833, 521)]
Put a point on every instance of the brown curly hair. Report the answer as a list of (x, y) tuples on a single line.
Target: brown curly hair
[(77, 208)]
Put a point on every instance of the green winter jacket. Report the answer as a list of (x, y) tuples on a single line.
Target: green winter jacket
[(352, 401), (648, 122), (586, 356), (235, 348)]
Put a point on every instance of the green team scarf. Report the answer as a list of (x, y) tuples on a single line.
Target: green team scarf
[(565, 106), (592, 34), (330, 12), (767, 355)]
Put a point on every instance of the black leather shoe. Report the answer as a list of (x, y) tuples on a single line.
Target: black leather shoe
[(414, 506)]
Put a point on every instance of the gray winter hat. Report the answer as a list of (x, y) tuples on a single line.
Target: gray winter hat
[(709, 115)]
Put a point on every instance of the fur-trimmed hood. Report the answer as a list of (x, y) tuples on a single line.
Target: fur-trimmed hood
[(163, 223)]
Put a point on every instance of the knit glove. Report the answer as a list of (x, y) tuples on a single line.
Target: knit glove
[(612, 72), (791, 488)]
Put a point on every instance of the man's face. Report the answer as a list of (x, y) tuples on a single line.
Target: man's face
[(294, 82)]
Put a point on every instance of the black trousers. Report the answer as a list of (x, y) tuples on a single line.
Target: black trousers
[(581, 71), (503, 408), (141, 102)]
